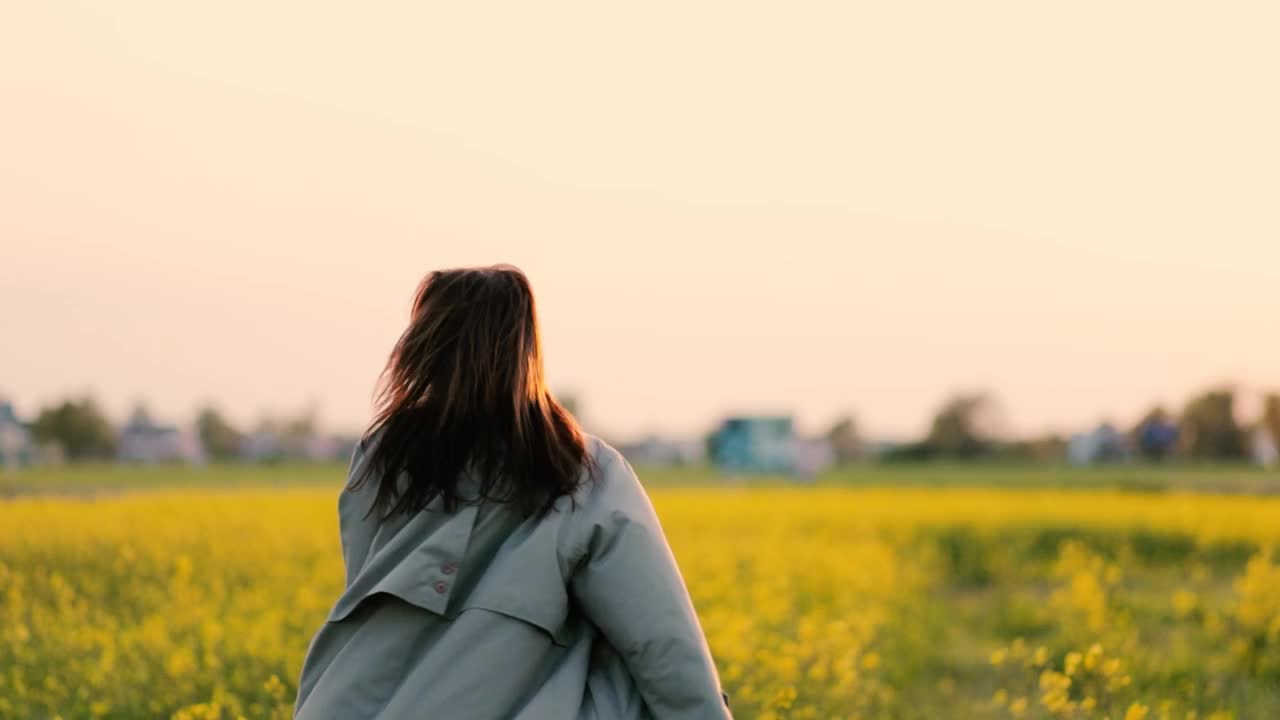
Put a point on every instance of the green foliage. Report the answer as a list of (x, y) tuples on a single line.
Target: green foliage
[(1209, 427), (1232, 479), (844, 439), (1271, 416), (964, 427), (221, 440), (1046, 448), (79, 428), (1156, 416)]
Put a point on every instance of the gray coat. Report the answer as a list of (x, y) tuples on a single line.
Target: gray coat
[(485, 614)]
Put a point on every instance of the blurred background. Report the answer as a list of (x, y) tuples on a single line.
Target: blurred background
[(943, 335), (845, 216)]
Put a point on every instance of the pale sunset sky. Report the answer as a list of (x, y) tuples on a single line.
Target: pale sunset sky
[(723, 206)]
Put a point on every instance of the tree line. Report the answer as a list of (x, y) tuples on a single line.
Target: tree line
[(967, 426), (83, 431)]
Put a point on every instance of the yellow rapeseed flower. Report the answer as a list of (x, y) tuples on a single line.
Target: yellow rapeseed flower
[(1136, 711)]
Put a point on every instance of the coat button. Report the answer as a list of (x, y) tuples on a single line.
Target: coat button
[(448, 568), (441, 587)]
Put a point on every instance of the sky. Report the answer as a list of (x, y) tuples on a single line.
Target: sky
[(724, 207)]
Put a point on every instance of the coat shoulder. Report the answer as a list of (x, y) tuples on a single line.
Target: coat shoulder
[(610, 497), (610, 478)]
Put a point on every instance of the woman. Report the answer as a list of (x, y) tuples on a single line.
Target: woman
[(500, 563)]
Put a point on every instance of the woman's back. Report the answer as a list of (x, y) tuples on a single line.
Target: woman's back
[(489, 613)]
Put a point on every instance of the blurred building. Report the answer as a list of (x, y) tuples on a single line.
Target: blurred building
[(812, 456), (657, 451), (15, 440), (1264, 449), (1157, 438), (268, 443), (264, 444), (1103, 444), (755, 445), (144, 441), (329, 448)]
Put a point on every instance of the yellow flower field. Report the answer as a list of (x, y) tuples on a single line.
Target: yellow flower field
[(818, 602)]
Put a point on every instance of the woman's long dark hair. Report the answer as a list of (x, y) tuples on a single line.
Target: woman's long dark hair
[(464, 390)]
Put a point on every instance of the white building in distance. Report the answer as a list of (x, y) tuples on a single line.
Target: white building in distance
[(15, 440), (144, 441)]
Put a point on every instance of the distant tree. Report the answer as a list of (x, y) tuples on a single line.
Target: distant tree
[(1271, 416), (844, 439), (264, 443), (140, 416), (297, 432), (1209, 428), (221, 440), (711, 444), (908, 452), (1044, 448), (964, 427), (301, 427), (78, 427), (1155, 436)]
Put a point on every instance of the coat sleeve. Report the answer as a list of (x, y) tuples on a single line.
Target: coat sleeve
[(627, 583), (354, 527)]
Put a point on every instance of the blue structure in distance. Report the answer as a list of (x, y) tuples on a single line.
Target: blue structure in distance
[(754, 445)]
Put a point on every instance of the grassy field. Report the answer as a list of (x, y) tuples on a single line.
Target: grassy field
[(1136, 477), (983, 592)]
